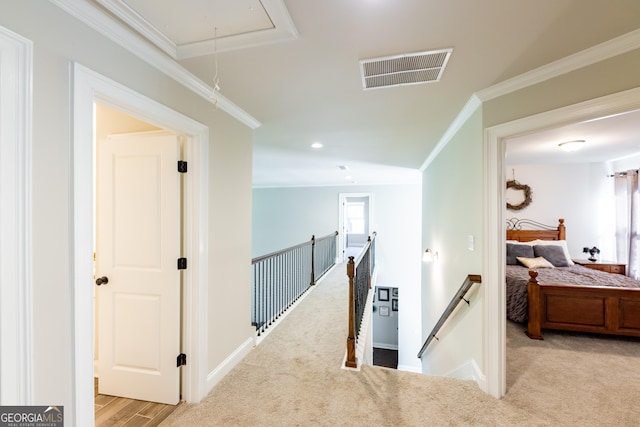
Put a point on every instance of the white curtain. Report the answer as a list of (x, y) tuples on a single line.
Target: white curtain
[(627, 191)]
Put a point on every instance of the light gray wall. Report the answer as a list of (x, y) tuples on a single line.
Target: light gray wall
[(451, 206), (287, 216), (284, 217), (385, 328), (59, 41)]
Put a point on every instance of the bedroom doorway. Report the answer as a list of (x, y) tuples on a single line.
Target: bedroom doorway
[(495, 188)]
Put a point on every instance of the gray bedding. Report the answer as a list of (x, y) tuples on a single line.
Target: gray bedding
[(518, 276)]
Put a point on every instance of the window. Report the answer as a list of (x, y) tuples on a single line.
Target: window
[(355, 215)]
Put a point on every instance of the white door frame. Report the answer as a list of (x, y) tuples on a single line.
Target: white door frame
[(16, 306), (494, 143), (89, 87), (341, 236)]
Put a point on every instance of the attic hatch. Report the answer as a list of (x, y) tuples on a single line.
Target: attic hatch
[(406, 69)]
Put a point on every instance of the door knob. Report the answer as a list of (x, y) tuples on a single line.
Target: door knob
[(102, 280)]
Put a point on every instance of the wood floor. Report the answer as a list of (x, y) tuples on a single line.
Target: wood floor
[(386, 358), (118, 411)]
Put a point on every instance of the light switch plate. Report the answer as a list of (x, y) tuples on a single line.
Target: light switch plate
[(470, 242)]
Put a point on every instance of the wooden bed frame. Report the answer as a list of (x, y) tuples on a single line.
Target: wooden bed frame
[(597, 309)]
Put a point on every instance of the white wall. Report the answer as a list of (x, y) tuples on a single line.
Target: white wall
[(625, 164), (60, 41), (581, 193), (287, 216)]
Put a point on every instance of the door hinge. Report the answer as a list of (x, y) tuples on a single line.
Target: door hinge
[(182, 263), (182, 360), (182, 166)]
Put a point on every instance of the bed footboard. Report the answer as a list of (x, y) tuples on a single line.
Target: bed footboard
[(603, 310)]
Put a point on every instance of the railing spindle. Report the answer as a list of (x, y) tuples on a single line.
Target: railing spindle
[(280, 278)]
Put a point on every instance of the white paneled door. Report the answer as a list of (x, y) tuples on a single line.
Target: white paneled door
[(138, 213)]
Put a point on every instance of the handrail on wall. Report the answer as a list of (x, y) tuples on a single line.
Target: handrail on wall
[(459, 296)]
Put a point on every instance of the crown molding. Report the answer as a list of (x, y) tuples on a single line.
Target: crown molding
[(614, 47), (283, 30), (469, 108), (609, 49), (122, 36), (240, 41), (136, 21)]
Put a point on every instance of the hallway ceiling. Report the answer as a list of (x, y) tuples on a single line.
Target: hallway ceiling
[(294, 66)]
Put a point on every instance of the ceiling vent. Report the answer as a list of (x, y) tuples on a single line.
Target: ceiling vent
[(407, 69)]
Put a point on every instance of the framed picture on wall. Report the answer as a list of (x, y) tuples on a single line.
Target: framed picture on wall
[(383, 294), (394, 292), (394, 304), (384, 310)]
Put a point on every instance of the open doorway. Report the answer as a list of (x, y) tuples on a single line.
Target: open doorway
[(135, 223), (355, 223), (385, 326), (495, 183), (91, 87)]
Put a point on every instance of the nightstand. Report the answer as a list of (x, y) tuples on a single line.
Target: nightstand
[(607, 266)]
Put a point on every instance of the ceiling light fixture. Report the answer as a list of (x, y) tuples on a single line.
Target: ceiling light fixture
[(572, 145), (317, 145)]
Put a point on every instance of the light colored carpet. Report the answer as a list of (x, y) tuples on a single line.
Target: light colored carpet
[(293, 378)]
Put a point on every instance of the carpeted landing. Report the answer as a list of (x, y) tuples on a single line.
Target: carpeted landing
[(293, 378)]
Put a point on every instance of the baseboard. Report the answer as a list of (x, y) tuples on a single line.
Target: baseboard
[(385, 346), (469, 371), (410, 368), (229, 363)]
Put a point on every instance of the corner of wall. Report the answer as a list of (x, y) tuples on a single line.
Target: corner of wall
[(469, 371), (229, 363)]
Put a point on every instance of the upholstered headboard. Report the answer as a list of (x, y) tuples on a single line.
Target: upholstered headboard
[(525, 230)]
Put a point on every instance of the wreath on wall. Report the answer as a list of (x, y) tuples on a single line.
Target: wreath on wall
[(527, 193)]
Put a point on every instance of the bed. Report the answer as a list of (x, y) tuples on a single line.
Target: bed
[(564, 297)]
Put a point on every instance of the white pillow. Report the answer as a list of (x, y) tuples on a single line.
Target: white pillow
[(562, 243), (538, 262)]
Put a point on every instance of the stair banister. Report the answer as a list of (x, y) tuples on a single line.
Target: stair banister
[(459, 296)]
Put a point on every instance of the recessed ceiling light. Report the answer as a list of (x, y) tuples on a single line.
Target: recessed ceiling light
[(572, 145), (343, 167), (316, 145)]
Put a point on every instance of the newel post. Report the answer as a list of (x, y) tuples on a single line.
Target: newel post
[(534, 326), (351, 361), (313, 260)]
